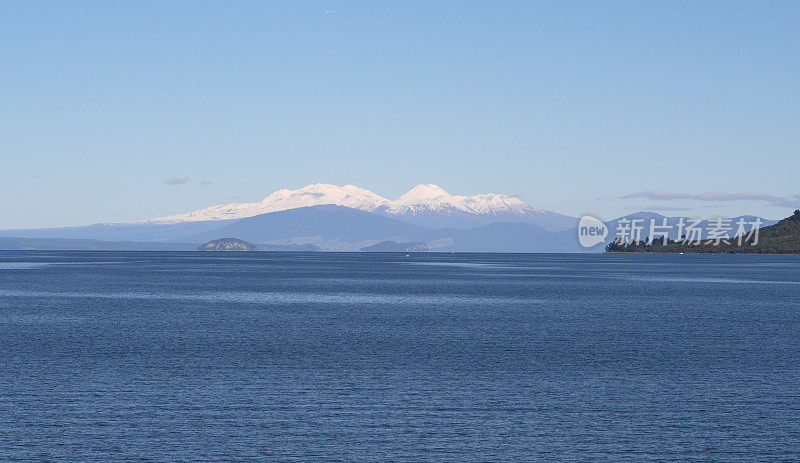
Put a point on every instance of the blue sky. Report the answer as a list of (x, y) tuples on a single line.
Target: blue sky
[(685, 108)]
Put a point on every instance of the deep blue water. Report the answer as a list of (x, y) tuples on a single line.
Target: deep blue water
[(365, 357)]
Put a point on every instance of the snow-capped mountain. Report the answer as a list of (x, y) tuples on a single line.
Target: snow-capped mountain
[(283, 200), (426, 204), (431, 198)]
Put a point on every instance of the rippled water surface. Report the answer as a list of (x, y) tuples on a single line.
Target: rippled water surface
[(364, 357)]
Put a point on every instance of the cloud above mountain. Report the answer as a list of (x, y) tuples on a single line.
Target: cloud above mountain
[(717, 196)]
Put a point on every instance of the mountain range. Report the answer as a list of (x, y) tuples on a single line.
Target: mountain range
[(426, 204), (332, 218)]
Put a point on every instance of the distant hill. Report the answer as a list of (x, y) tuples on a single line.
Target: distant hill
[(121, 232), (780, 238), (392, 246), (672, 222), (567, 241), (228, 244), (503, 237), (60, 244), (289, 247), (326, 222)]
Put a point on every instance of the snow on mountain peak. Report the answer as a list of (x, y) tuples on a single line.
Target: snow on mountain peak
[(281, 200), (428, 197), (420, 199), (422, 192), (323, 193)]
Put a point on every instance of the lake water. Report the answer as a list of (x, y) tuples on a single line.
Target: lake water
[(430, 357)]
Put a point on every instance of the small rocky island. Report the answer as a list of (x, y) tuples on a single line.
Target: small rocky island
[(228, 244)]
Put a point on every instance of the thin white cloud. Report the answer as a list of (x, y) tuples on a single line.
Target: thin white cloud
[(719, 196), (658, 195), (176, 180)]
